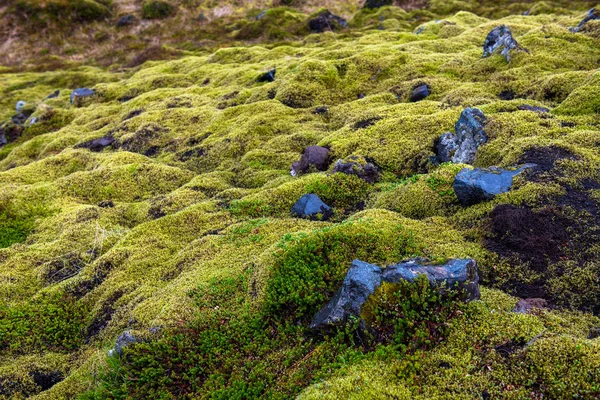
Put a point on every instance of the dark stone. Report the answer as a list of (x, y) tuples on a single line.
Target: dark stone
[(360, 282), (377, 3), (46, 379), (470, 135), (526, 306), (360, 166), (53, 95), (476, 185), (507, 95), (126, 339), (460, 272), (3, 140), (97, 145), (446, 147), (312, 207), (81, 93), (500, 38), (106, 204), (267, 76), (594, 333), (535, 109), (125, 20), (419, 93), (316, 157), (132, 114), (361, 96), (326, 21), (365, 123), (593, 14), (321, 110)]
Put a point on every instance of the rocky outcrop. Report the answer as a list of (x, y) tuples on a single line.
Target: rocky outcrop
[(314, 158), (461, 147), (592, 15), (362, 279), (476, 185), (310, 206), (326, 21), (500, 38), (362, 167)]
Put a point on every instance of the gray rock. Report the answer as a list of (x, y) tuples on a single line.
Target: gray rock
[(53, 95), (526, 306), (126, 339), (476, 185), (20, 105), (419, 93), (359, 166), (377, 3), (97, 145), (326, 21), (312, 207), (447, 147), (360, 282), (461, 272), (125, 20), (81, 93), (470, 135), (315, 157), (267, 76), (592, 15), (500, 38), (536, 109)]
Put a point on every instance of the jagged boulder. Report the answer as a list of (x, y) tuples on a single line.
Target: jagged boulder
[(267, 76), (362, 279), (500, 38), (476, 185), (461, 147), (314, 157), (326, 21), (310, 206), (80, 93), (377, 3), (362, 167), (592, 15), (419, 92), (447, 147)]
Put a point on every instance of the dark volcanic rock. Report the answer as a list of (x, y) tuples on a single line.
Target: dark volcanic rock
[(461, 147), (125, 20), (507, 95), (321, 110), (312, 207), (535, 109), (476, 185), (315, 157), (362, 167), (526, 306), (500, 38), (97, 145), (377, 3), (80, 93), (326, 21), (53, 95), (267, 76), (123, 341), (461, 272), (593, 14), (360, 282), (419, 93)]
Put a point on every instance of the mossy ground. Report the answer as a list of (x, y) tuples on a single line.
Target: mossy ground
[(186, 222)]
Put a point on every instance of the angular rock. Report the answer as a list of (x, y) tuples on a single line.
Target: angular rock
[(447, 147), (125, 20), (456, 272), (126, 339), (81, 93), (377, 3), (312, 207), (267, 76), (419, 93), (326, 21), (526, 306), (360, 282), (470, 135), (476, 185), (321, 110), (592, 15), (536, 109), (500, 38), (315, 157), (53, 95), (97, 145), (362, 167), (20, 105)]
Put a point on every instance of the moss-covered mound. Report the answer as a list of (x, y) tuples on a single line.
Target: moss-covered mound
[(176, 226)]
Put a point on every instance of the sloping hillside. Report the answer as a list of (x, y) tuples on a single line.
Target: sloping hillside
[(160, 205)]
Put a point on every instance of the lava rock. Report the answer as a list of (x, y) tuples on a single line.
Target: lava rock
[(126, 339), (507, 95), (526, 306), (500, 38), (321, 110), (592, 15), (97, 145), (315, 157), (536, 109), (326, 21), (53, 95), (267, 76), (362, 167), (377, 3), (20, 105), (312, 207), (460, 272), (125, 20), (420, 92), (446, 147), (81, 93), (360, 282), (469, 136), (476, 185), (106, 204)]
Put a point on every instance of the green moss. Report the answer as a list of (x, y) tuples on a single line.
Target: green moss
[(157, 9)]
